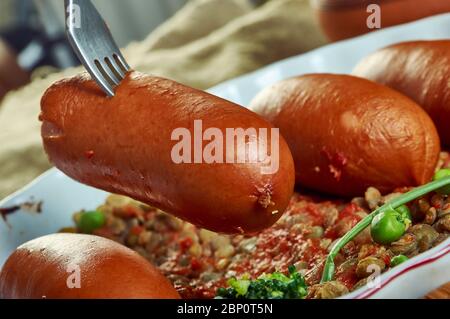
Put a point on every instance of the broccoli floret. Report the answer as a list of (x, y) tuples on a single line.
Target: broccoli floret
[(267, 286)]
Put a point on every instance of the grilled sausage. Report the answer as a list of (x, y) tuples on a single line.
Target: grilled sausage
[(420, 70), (124, 145), (74, 266), (347, 133)]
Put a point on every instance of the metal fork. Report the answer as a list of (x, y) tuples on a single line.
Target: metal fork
[(94, 45)]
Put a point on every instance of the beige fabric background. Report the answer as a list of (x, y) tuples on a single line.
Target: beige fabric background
[(207, 42)]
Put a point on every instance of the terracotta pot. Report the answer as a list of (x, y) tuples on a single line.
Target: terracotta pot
[(2, 92), (11, 75), (341, 19)]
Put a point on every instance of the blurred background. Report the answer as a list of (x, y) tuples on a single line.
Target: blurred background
[(42, 21), (34, 29), (196, 42)]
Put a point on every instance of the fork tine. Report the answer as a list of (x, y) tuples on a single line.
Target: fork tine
[(94, 45), (121, 62), (116, 68), (104, 84), (99, 77), (108, 73)]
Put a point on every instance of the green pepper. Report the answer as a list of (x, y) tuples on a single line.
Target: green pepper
[(439, 175), (389, 226), (90, 221), (397, 260), (330, 267)]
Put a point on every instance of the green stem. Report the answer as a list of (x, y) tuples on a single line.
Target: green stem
[(328, 271)]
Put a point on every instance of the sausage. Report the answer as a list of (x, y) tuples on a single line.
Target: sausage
[(348, 133), (75, 266), (343, 19), (125, 145), (420, 70)]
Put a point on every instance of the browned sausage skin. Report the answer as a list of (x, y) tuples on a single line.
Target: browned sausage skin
[(348, 133), (73, 266), (124, 144), (420, 70)]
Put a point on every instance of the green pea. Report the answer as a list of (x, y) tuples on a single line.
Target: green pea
[(404, 212), (90, 221), (439, 175), (397, 260), (387, 227)]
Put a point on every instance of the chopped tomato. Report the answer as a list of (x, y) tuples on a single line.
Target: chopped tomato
[(349, 210), (186, 243), (196, 264), (128, 212), (137, 230), (315, 214), (348, 277)]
